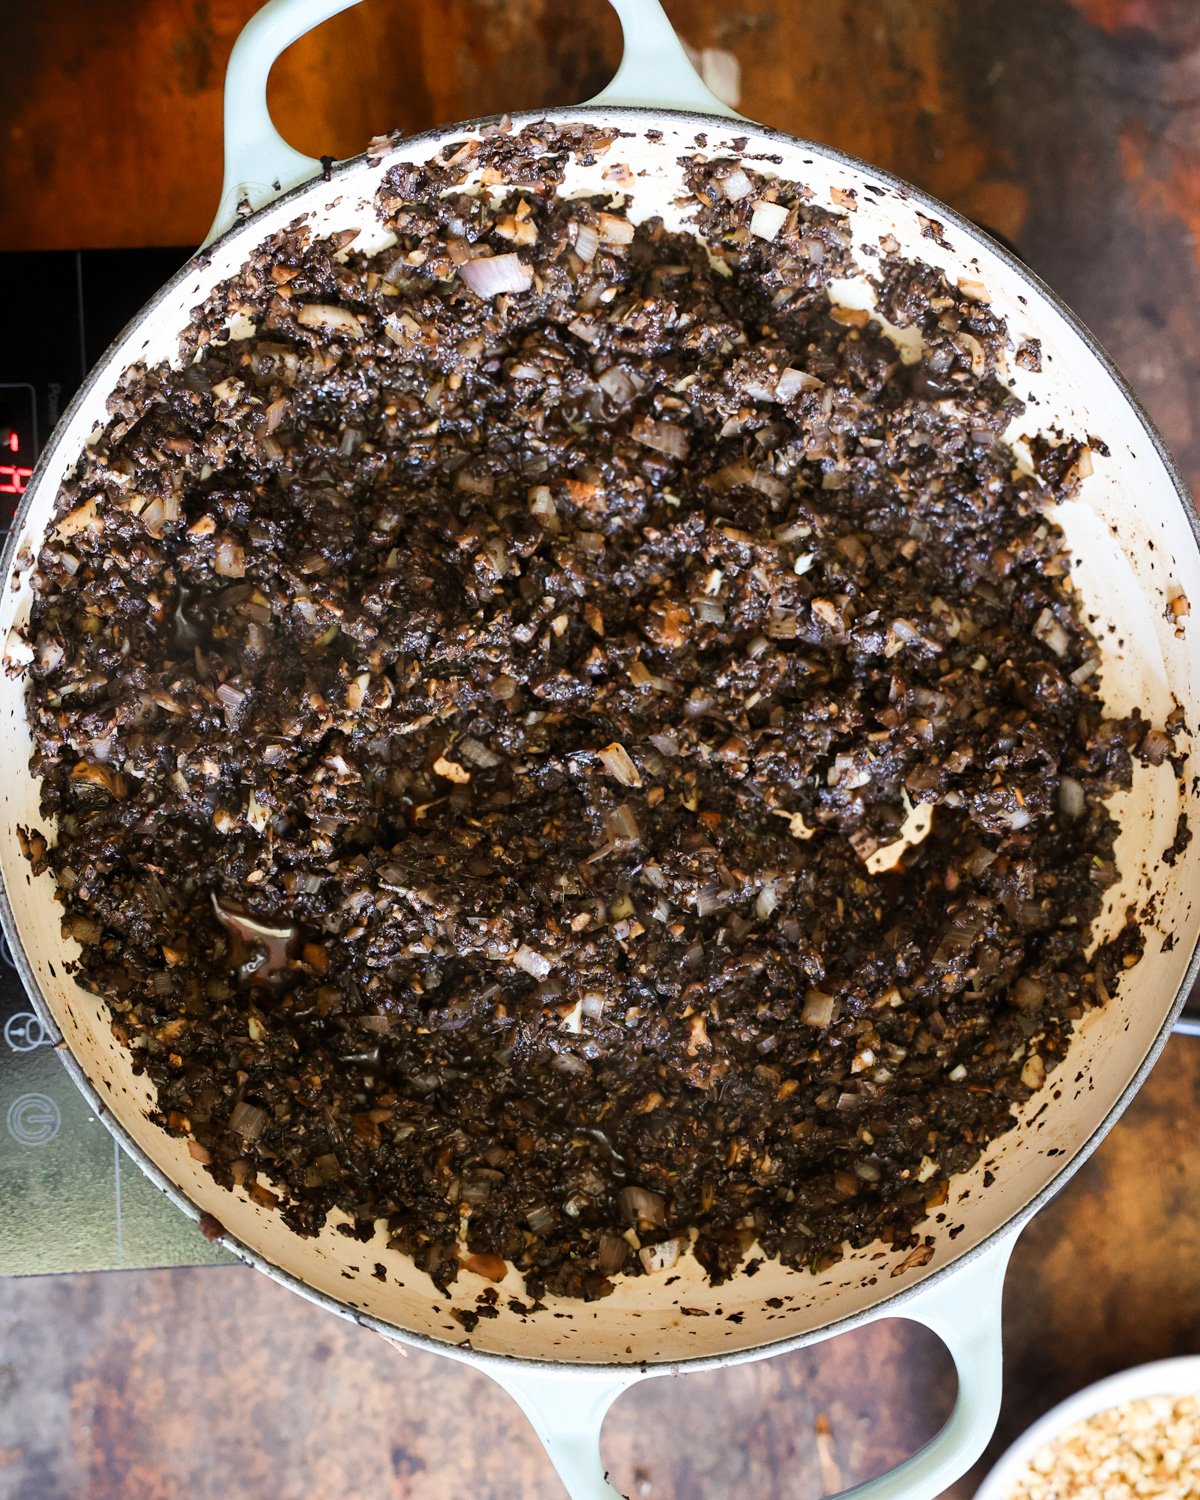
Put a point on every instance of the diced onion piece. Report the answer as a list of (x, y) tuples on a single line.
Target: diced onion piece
[(660, 1257), (17, 650), (708, 611), (542, 506), (766, 901), (257, 815), (641, 1206), (698, 702), (533, 963), (1047, 629), (229, 561), (567, 1062), (540, 1218), (741, 472), (616, 382), (231, 700), (152, 517), (621, 826), (1155, 747), (479, 754), (665, 743), (818, 1009), (617, 763), (737, 186), (767, 220), (663, 437), (49, 652), (587, 242), (491, 275), (1071, 800), (497, 554), (612, 1254), (1015, 817), (794, 383), (326, 315), (80, 519), (247, 1120), (615, 230), (1081, 673), (710, 898)]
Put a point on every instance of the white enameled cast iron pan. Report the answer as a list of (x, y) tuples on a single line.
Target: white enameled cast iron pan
[(1134, 535)]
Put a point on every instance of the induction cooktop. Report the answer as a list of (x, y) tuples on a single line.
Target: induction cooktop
[(69, 1198)]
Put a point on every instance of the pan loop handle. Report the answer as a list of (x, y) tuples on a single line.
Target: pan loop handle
[(655, 71), (260, 165), (567, 1408), (964, 1311)]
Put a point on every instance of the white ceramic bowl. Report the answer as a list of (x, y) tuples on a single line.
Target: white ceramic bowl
[(1163, 1377)]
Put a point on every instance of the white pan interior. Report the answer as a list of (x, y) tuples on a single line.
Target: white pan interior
[(1132, 533)]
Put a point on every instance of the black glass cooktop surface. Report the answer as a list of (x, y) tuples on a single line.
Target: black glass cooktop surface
[(70, 1200)]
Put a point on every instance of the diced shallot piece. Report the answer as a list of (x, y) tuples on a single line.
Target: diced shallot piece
[(615, 230), (491, 275), (621, 826), (617, 383), (617, 763), (818, 1009), (533, 963), (1155, 747), (543, 508), (640, 1206), (736, 186), (247, 1120), (587, 242), (327, 315), (660, 1257), (767, 220), (663, 437), (1048, 630), (1071, 800), (794, 383), (612, 1254), (229, 560)]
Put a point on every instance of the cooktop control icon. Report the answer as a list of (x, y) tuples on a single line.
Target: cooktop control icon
[(24, 1032), (33, 1120)]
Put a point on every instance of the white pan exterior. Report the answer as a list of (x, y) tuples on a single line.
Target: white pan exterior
[(1135, 535)]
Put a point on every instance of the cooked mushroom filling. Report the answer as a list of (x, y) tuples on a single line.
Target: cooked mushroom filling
[(567, 749)]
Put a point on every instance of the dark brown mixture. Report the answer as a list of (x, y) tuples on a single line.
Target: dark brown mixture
[(470, 721)]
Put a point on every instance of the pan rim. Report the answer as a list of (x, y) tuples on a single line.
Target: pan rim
[(888, 1305)]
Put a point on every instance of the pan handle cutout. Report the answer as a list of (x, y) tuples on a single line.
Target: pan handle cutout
[(567, 1407)]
